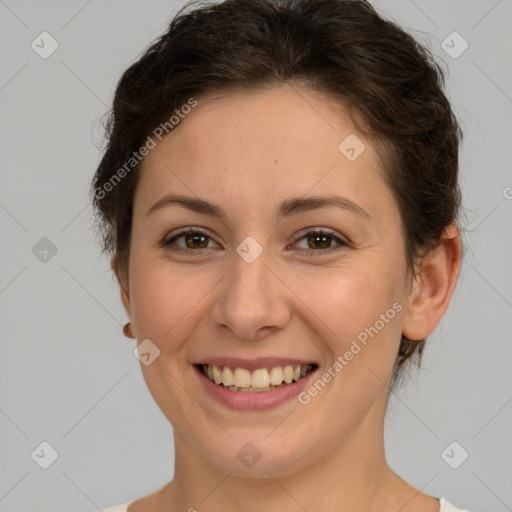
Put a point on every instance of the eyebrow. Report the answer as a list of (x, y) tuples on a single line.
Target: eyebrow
[(287, 208)]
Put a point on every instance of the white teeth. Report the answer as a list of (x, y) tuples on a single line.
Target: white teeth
[(276, 376), (217, 377), (228, 379), (288, 374), (242, 378), (260, 380)]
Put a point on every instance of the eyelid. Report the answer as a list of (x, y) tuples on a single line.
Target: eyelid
[(320, 229), (185, 231), (340, 242), (311, 230), (327, 231)]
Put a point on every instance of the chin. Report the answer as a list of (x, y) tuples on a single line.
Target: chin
[(260, 453)]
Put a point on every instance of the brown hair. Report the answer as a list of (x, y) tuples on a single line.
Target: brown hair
[(343, 48)]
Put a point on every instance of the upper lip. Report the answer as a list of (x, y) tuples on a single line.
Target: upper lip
[(252, 364)]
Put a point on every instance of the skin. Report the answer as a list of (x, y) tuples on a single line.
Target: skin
[(247, 152)]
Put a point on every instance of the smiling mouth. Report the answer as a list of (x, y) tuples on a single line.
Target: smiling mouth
[(261, 380)]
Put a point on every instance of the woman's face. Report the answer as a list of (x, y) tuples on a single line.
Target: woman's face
[(257, 291)]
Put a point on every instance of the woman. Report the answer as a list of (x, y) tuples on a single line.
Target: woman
[(279, 198)]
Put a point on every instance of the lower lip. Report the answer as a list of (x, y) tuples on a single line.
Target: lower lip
[(257, 400)]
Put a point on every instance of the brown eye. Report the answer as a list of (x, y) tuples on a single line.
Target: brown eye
[(321, 239), (320, 242), (193, 239)]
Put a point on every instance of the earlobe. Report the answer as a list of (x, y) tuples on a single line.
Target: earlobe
[(434, 286)]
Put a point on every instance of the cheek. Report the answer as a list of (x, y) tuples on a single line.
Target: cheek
[(348, 301), (360, 313), (360, 345), (167, 299)]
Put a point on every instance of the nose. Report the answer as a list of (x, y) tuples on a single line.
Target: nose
[(252, 302)]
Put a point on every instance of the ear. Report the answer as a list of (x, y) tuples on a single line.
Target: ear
[(125, 296), (434, 285)]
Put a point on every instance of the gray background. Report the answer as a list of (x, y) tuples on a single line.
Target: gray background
[(67, 374)]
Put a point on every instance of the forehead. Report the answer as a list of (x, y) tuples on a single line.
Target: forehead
[(268, 144), (283, 121)]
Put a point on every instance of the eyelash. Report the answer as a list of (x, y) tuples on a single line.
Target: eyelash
[(307, 252)]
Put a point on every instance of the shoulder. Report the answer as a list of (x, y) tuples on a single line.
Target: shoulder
[(446, 506), (118, 508)]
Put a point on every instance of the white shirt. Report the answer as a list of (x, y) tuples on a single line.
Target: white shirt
[(446, 506)]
